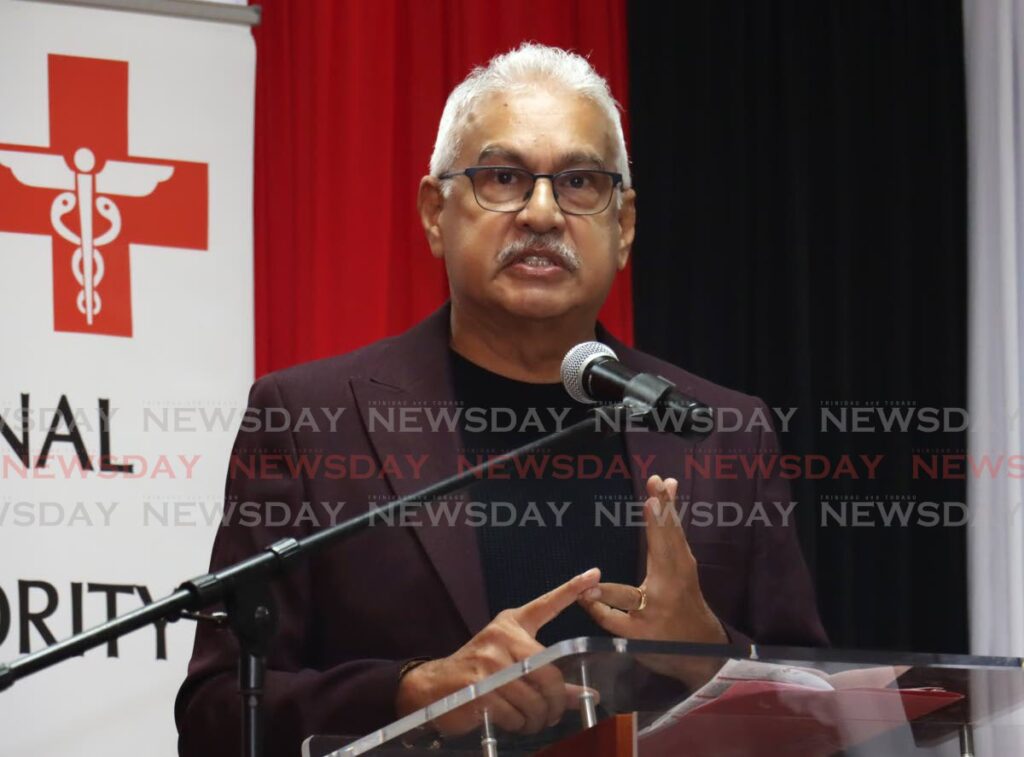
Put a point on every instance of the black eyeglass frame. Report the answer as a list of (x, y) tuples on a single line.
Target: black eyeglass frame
[(474, 170)]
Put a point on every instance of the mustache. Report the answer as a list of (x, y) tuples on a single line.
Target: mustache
[(550, 243)]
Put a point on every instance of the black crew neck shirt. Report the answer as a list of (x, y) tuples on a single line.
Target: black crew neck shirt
[(550, 519)]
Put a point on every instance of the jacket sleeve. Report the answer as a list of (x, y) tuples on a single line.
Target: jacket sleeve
[(781, 604), (353, 697)]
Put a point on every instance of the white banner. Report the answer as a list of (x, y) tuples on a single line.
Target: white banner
[(127, 348)]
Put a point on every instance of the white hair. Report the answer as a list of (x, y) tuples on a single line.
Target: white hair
[(518, 69)]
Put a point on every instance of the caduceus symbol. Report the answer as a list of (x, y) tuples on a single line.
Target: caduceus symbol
[(85, 191)]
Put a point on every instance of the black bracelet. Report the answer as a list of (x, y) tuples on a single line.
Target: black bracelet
[(425, 736), (415, 662)]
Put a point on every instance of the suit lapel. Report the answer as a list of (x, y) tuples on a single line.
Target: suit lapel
[(662, 455), (415, 372), (651, 452), (666, 450)]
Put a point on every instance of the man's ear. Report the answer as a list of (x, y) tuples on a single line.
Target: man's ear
[(430, 202), (627, 227)]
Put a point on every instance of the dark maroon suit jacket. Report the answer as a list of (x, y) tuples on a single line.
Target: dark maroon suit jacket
[(352, 616)]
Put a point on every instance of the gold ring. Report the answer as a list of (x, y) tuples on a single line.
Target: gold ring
[(643, 598)]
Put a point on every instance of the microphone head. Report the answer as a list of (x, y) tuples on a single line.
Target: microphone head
[(574, 366)]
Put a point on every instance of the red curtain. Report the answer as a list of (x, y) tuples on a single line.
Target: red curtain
[(348, 96)]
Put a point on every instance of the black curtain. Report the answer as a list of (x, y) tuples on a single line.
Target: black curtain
[(801, 178)]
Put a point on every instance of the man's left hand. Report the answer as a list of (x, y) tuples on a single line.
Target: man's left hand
[(673, 605)]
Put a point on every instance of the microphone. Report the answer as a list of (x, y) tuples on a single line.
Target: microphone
[(591, 373)]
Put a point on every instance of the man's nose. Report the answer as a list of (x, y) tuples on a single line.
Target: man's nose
[(541, 213)]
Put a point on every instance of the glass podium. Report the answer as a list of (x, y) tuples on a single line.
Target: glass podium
[(646, 698)]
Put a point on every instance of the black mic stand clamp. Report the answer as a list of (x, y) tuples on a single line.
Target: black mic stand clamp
[(253, 619), (252, 616), (646, 393)]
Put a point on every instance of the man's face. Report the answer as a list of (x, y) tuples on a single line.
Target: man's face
[(509, 263)]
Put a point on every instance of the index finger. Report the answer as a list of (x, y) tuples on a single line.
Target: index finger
[(665, 537), (545, 608)]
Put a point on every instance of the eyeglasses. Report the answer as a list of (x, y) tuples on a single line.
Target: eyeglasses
[(503, 189)]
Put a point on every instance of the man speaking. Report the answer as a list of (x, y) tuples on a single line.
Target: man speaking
[(530, 206)]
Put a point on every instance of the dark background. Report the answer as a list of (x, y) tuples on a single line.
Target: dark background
[(801, 178)]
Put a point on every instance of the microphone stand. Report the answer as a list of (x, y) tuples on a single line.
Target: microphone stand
[(242, 586)]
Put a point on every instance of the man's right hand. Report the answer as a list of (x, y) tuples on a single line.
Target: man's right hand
[(526, 705)]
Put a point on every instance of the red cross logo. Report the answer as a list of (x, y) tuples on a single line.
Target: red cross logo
[(94, 199)]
